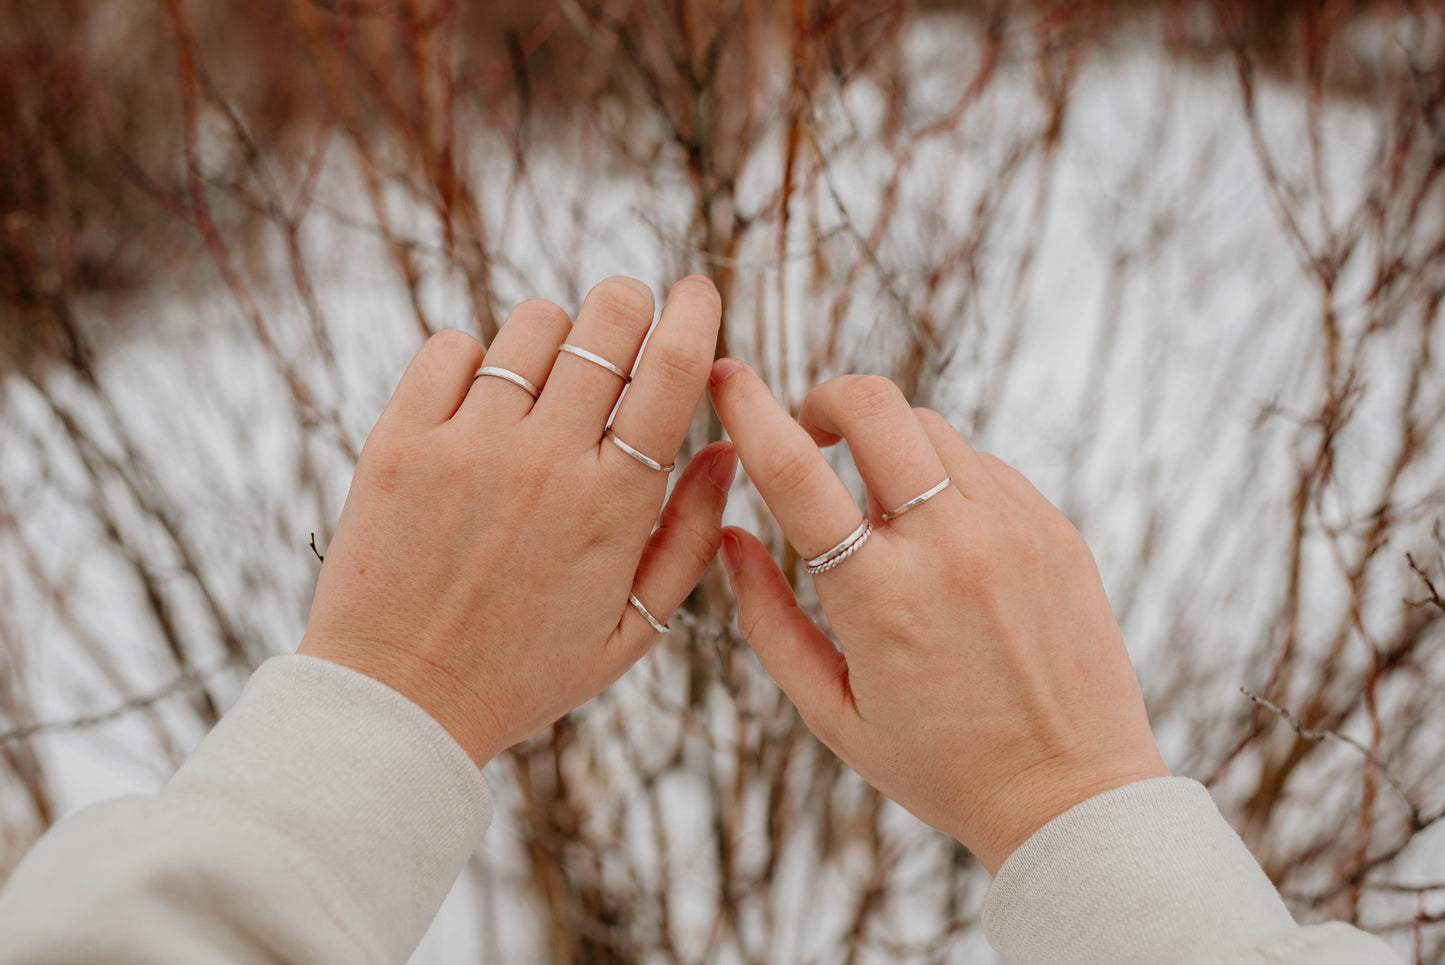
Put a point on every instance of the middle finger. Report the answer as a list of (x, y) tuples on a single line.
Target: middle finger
[(611, 325)]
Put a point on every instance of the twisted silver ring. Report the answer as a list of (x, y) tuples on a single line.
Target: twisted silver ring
[(656, 624), (596, 359), (510, 376), (854, 542), (646, 460), (918, 500)]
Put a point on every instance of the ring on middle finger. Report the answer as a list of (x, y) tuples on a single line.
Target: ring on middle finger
[(521, 381), (596, 359)]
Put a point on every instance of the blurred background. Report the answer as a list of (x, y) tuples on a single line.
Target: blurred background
[(1180, 262)]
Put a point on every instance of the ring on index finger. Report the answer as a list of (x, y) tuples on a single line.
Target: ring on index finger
[(850, 545)]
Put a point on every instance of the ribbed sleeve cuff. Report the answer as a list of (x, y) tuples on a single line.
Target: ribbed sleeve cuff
[(1149, 873), (362, 779)]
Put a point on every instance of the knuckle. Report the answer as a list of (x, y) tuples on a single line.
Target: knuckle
[(701, 548), (673, 366), (1066, 536), (788, 470), (1031, 545), (932, 421), (870, 396), (755, 619), (388, 458), (620, 299)]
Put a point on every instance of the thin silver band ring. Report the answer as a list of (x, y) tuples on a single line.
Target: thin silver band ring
[(657, 625), (596, 359), (918, 500), (643, 458), (850, 545), (510, 376)]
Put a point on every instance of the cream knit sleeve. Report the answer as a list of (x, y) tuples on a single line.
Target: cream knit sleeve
[(323, 820), (1152, 874)]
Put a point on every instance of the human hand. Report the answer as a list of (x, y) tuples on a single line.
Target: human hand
[(484, 557), (982, 681)]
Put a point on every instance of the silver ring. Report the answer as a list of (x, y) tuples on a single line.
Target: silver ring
[(646, 460), (918, 500), (596, 359), (659, 627), (854, 542), (510, 376)]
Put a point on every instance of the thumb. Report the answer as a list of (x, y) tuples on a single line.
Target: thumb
[(791, 648)]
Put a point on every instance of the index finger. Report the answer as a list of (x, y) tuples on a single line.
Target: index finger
[(810, 502)]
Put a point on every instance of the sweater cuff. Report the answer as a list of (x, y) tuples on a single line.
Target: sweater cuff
[(1146, 873), (360, 778)]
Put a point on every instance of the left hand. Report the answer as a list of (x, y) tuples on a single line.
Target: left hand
[(485, 554)]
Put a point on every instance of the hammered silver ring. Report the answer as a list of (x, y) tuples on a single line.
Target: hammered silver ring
[(657, 624), (918, 500)]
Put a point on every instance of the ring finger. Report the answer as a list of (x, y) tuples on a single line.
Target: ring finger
[(525, 346)]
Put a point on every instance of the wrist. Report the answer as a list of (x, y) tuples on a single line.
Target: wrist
[(441, 695), (1022, 807)]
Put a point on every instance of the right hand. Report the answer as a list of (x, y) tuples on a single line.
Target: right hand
[(982, 681)]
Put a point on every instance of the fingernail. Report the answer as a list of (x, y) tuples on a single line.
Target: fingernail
[(732, 551), (702, 278), (723, 368), (724, 467)]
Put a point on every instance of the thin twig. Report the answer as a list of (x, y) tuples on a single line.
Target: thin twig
[(1311, 733), (1434, 599), (190, 680)]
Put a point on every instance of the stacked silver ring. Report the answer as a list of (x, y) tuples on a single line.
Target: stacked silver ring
[(596, 359), (852, 544), (497, 372), (657, 624)]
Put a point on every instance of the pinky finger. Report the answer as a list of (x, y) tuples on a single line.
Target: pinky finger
[(680, 550)]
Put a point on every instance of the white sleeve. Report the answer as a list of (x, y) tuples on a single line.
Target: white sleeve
[(1150, 874), (323, 820)]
